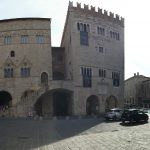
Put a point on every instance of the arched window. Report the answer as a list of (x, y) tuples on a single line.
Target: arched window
[(44, 78)]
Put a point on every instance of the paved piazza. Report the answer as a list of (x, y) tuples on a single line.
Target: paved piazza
[(73, 134)]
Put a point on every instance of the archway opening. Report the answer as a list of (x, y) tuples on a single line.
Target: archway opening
[(57, 102), (61, 103), (111, 102), (5, 100), (92, 105)]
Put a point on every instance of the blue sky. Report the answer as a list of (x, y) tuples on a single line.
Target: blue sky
[(135, 12)]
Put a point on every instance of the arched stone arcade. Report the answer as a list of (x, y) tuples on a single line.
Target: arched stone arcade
[(56, 102), (92, 105)]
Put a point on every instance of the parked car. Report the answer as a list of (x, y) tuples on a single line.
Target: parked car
[(146, 111), (134, 115), (114, 114)]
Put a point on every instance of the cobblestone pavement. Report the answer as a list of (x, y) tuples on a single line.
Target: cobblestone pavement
[(82, 134)]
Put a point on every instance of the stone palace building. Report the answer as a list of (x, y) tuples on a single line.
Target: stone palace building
[(84, 76)]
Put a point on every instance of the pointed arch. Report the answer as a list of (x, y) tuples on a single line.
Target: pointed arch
[(92, 105), (111, 102)]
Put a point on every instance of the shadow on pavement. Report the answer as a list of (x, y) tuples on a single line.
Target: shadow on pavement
[(128, 124), (17, 134)]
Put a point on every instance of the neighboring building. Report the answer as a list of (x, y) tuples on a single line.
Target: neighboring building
[(84, 76), (145, 93), (133, 91)]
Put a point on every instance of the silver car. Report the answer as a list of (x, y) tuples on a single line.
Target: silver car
[(114, 114)]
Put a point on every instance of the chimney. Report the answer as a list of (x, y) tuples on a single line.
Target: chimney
[(134, 74)]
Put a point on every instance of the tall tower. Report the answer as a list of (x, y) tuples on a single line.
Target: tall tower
[(94, 52)]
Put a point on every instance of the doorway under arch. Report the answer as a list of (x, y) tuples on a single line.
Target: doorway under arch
[(5, 99), (56, 102), (111, 102), (92, 105), (62, 103)]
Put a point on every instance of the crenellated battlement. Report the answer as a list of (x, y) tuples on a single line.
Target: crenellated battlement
[(100, 12)]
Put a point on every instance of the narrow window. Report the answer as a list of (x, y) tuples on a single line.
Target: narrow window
[(118, 37), (85, 28), (7, 40), (102, 73), (111, 34), (84, 38), (88, 28), (81, 27), (40, 39), (24, 39), (86, 76), (12, 54), (103, 31), (97, 30), (8, 72), (25, 72), (101, 49), (116, 78), (78, 26)]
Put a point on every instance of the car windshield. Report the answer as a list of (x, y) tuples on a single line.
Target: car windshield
[(115, 110), (146, 110)]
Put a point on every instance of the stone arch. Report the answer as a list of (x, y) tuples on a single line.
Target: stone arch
[(111, 102), (5, 99), (56, 102), (92, 105), (44, 78)]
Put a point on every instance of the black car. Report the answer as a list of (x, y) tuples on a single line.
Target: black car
[(134, 115)]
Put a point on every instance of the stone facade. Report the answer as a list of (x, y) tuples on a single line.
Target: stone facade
[(20, 36), (101, 52), (82, 77)]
